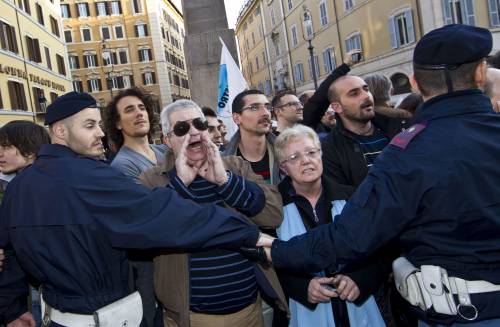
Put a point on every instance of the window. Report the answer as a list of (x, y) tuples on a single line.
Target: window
[(17, 96), (25, 5), (290, 4), (122, 55), (74, 63), (83, 9), (257, 63), (54, 25), (65, 11), (267, 87), (109, 58), (78, 86), (458, 12), (354, 42), (329, 60), (53, 96), (141, 30), (33, 49), (90, 60), (8, 40), (119, 31), (299, 73), (149, 78), (401, 29), (128, 81), (47, 58), (273, 18), (136, 6), (145, 55), (116, 8), (105, 33), (38, 97), (316, 67), (177, 81), (61, 67), (295, 39), (94, 85), (101, 8), (68, 37), (39, 13), (253, 38), (323, 13), (348, 4), (86, 34)]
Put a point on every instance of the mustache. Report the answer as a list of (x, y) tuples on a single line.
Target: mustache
[(367, 103), (264, 120)]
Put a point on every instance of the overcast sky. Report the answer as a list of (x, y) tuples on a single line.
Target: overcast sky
[(232, 9)]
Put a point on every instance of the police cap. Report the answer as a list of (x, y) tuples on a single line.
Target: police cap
[(67, 105), (452, 45)]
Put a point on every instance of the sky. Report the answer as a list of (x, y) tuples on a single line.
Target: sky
[(232, 10)]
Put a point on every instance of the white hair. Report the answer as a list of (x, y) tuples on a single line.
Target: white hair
[(291, 134), (179, 105)]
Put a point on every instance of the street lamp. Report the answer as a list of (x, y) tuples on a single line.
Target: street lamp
[(308, 34), (106, 56)]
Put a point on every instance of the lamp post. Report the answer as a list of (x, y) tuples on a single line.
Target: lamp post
[(308, 34), (106, 55)]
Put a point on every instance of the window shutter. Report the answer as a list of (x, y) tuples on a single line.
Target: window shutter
[(108, 8), (99, 83), (136, 28), (12, 95), (97, 8), (448, 19), (153, 75), (468, 12), (37, 50), (140, 56), (120, 6), (77, 62), (145, 30), (115, 61), (392, 31), (143, 79), (409, 24), (96, 60), (150, 54), (88, 9), (493, 10), (131, 79)]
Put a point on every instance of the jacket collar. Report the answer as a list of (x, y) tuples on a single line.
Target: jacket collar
[(235, 140), (288, 193), (56, 150), (453, 104)]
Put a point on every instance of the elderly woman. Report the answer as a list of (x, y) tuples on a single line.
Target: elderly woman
[(308, 203)]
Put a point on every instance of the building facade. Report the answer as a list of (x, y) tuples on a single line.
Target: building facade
[(116, 44), (385, 30), (33, 63)]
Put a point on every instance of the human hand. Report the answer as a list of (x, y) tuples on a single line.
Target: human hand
[(348, 58), (265, 240), (25, 320), (317, 292), (2, 258), (213, 169), (346, 288), (186, 170)]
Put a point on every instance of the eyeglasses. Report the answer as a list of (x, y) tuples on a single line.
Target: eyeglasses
[(181, 128), (297, 157), (294, 104), (257, 107)]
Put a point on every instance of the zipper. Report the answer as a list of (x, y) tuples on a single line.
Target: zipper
[(316, 219)]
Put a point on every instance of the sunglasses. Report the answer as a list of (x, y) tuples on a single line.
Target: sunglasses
[(181, 128)]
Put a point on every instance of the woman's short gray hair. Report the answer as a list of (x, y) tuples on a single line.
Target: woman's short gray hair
[(291, 134), (178, 105)]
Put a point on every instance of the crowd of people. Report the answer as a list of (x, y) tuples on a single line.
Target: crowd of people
[(350, 212)]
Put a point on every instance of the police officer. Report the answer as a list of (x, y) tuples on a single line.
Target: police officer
[(436, 188), (68, 218)]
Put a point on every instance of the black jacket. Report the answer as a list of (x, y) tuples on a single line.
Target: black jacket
[(368, 276)]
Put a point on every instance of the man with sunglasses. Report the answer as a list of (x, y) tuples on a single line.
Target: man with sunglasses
[(214, 287), (69, 218), (287, 109)]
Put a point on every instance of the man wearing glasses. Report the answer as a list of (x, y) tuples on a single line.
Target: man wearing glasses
[(215, 287), (254, 140), (287, 109)]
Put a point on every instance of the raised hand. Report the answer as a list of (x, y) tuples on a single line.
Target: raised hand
[(346, 288), (317, 292), (213, 169), (25, 320), (348, 58), (186, 170)]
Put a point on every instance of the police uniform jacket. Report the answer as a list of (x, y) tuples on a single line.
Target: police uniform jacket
[(436, 188), (69, 218)]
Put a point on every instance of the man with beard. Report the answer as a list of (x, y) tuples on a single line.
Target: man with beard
[(128, 121), (68, 218), (254, 141), (287, 109)]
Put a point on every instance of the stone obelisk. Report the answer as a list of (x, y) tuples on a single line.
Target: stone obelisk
[(205, 21)]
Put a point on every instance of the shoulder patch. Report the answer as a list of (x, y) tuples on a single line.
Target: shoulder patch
[(404, 138)]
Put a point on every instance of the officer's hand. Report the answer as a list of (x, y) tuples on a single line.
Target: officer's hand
[(348, 58), (186, 170), (25, 320), (213, 169), (346, 288), (317, 293), (265, 240), (2, 258)]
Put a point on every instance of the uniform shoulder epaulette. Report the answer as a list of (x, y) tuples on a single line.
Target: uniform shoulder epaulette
[(404, 138)]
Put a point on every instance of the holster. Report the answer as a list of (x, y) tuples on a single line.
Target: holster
[(124, 312)]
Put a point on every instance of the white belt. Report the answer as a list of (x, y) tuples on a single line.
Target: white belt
[(472, 286), (65, 318)]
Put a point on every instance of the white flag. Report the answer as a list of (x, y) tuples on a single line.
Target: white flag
[(231, 82)]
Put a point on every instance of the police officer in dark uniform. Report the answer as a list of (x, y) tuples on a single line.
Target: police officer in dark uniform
[(435, 188), (69, 217)]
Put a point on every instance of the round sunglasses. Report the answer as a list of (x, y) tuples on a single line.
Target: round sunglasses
[(181, 128)]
